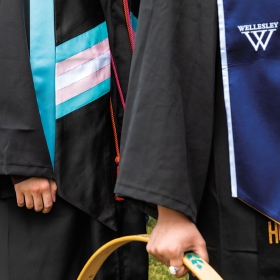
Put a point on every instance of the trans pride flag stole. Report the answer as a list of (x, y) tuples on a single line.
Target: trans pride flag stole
[(80, 55), (250, 52), (68, 73), (71, 66)]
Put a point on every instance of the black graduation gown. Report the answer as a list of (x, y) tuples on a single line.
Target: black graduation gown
[(85, 215), (174, 149)]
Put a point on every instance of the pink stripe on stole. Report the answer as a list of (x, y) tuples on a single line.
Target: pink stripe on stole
[(83, 85), (82, 57)]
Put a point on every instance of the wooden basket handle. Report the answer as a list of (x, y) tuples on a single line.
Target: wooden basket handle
[(201, 269)]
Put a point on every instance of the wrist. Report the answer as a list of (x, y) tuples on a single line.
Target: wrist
[(18, 179), (171, 216)]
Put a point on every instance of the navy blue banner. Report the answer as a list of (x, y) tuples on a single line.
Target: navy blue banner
[(250, 51)]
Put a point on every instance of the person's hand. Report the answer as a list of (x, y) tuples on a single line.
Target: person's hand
[(173, 235), (37, 193)]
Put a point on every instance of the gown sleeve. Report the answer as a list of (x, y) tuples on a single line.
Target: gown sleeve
[(168, 122), (23, 148)]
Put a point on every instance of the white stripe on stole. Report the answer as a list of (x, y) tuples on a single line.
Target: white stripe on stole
[(82, 57), (83, 85), (82, 71)]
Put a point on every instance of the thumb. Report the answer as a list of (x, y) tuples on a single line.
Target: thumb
[(202, 252)]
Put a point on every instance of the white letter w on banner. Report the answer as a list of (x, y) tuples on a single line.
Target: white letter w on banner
[(259, 38)]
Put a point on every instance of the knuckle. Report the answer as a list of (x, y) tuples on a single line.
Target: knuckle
[(148, 247), (35, 189), (29, 206), (160, 251), (48, 205), (39, 209), (44, 187), (152, 250), (20, 202), (39, 187), (202, 243)]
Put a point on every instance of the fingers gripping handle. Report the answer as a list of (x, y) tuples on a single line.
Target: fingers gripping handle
[(201, 269)]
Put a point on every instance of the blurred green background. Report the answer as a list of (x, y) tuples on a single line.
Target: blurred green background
[(157, 271)]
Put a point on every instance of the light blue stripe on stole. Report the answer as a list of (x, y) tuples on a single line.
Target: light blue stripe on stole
[(82, 42), (134, 22), (83, 99), (42, 59)]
